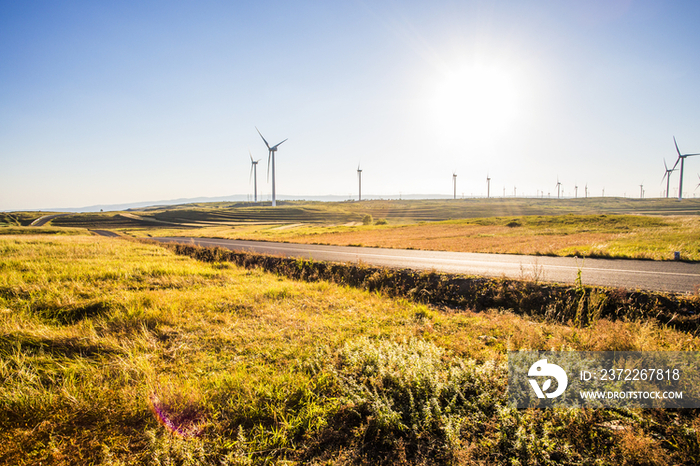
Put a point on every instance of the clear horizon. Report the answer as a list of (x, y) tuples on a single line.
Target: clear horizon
[(104, 104)]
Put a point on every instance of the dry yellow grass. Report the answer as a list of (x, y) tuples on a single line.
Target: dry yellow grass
[(622, 236), (461, 238), (94, 332)]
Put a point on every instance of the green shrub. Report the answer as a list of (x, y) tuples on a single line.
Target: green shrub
[(367, 219), (411, 395)]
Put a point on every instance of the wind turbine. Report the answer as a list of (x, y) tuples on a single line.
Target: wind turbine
[(641, 190), (576, 191), (359, 180), (586, 190), (488, 186), (454, 184), (558, 185), (271, 155), (667, 175), (682, 159), (254, 172)]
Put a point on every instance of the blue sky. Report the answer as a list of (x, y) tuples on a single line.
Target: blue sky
[(117, 102)]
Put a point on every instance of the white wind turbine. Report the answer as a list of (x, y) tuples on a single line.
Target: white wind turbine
[(682, 159), (359, 180), (558, 185), (454, 184), (667, 175), (641, 190), (271, 155), (488, 186), (254, 175)]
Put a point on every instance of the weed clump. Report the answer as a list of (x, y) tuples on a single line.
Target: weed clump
[(412, 399)]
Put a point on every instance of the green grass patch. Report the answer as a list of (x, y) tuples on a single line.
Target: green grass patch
[(117, 352), (20, 230), (595, 227)]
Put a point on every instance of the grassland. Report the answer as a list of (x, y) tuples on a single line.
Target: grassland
[(411, 211), (117, 352), (596, 227), (618, 236), (17, 219)]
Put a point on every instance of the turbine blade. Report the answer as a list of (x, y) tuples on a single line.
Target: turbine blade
[(677, 150), (251, 173), (276, 145), (677, 160), (268, 146), (251, 156), (268, 165), (665, 166)]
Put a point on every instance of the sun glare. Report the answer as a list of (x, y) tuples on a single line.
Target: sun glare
[(477, 101)]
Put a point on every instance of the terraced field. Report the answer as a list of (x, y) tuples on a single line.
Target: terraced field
[(603, 227)]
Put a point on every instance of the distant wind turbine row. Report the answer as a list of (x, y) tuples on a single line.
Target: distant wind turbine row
[(273, 149)]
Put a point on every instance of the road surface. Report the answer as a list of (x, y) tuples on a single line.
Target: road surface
[(41, 221), (108, 233), (678, 277)]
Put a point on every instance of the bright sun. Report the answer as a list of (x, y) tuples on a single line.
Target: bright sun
[(478, 102)]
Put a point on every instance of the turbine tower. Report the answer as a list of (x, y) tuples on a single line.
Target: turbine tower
[(488, 186), (254, 175), (667, 175), (454, 184), (682, 159), (271, 155), (641, 190), (576, 191), (586, 190), (558, 185), (359, 180)]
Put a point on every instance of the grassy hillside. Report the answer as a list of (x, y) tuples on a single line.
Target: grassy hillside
[(408, 211), (595, 227), (620, 236), (19, 218), (116, 352)]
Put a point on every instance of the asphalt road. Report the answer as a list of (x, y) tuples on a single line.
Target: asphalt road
[(41, 221), (678, 277), (108, 233)]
